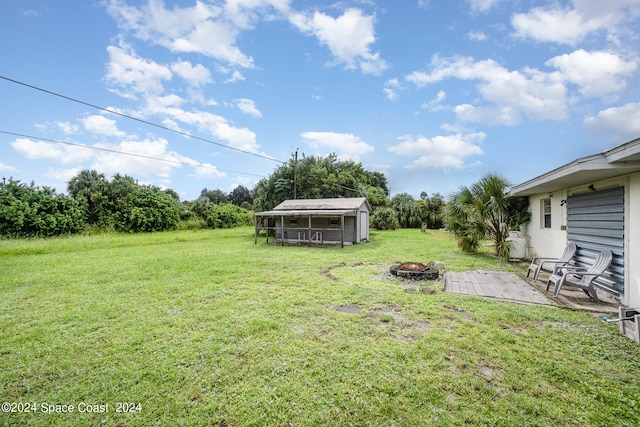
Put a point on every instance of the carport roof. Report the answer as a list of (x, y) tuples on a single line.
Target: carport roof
[(618, 161)]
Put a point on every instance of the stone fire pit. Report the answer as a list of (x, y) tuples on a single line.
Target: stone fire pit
[(414, 270)]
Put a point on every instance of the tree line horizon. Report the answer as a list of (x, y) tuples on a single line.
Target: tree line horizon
[(95, 203)]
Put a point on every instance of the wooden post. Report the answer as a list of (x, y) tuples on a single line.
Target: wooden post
[(342, 231), (281, 229)]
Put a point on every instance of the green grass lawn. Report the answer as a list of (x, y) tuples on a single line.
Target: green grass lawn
[(206, 328)]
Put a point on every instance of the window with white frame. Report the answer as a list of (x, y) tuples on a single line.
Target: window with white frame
[(545, 211)]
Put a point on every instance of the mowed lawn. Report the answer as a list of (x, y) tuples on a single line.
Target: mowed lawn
[(207, 329)]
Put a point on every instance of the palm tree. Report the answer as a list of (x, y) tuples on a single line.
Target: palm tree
[(407, 210), (484, 211), (90, 188), (431, 210)]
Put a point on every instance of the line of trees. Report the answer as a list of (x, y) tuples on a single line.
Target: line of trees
[(476, 213), (119, 204)]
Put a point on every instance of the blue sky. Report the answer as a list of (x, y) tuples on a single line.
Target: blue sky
[(434, 94)]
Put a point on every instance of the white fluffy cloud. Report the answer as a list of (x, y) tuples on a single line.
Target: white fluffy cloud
[(243, 13), (7, 168), (476, 36), (144, 160), (345, 145), (149, 157), (38, 150), (622, 123), (188, 29), (131, 73), (248, 106), (482, 5), (436, 103), (596, 73), (444, 152), (348, 37), (391, 89), (195, 75), (510, 94), (570, 25), (207, 171), (102, 126), (239, 138)]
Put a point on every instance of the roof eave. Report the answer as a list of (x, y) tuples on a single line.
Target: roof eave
[(610, 164)]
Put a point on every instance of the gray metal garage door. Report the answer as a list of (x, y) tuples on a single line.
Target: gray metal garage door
[(595, 221)]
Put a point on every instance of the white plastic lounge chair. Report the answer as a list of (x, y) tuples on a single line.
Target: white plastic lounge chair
[(581, 277), (538, 264)]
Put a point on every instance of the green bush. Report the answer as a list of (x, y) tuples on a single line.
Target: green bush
[(226, 215), (145, 208), (384, 218), (30, 211)]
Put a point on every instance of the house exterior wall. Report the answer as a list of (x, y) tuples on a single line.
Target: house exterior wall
[(632, 224), (547, 242), (552, 241)]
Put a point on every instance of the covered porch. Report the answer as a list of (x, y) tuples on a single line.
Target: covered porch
[(311, 227)]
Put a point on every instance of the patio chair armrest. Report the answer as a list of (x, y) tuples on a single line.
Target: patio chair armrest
[(542, 259), (571, 269), (592, 274), (565, 266), (552, 261)]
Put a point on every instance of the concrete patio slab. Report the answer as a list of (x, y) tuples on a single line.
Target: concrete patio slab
[(517, 288), (498, 285)]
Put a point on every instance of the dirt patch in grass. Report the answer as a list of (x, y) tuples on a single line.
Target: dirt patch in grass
[(397, 324), (487, 371), (349, 309), (388, 315)]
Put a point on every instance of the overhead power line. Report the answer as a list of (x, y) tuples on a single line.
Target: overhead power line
[(88, 104), (127, 154)]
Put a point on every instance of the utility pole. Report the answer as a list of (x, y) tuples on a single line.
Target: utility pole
[(295, 175)]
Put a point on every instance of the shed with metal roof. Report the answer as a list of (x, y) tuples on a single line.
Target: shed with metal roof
[(337, 221)]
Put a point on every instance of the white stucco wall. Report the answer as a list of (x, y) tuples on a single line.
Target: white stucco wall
[(547, 242)]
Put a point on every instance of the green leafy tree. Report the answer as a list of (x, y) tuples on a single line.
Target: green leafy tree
[(123, 204), (484, 211), (137, 208), (30, 211), (319, 177), (215, 196), (240, 195), (89, 187)]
